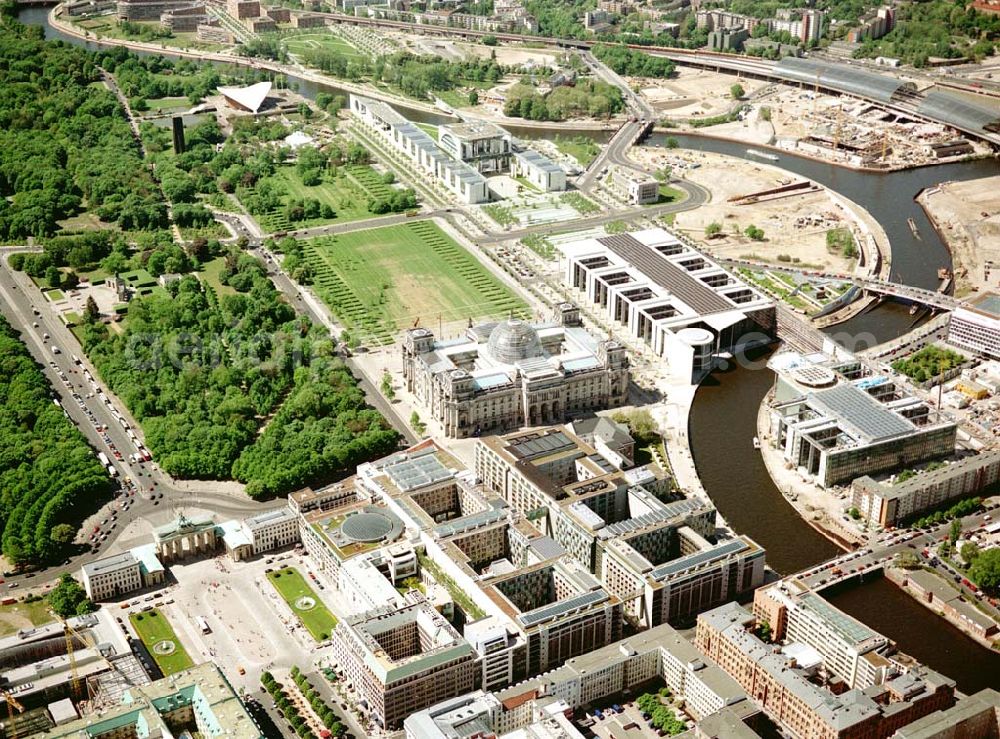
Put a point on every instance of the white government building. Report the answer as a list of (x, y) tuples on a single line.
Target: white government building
[(409, 139), (683, 305)]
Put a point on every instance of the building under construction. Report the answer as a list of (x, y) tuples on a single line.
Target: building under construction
[(54, 673)]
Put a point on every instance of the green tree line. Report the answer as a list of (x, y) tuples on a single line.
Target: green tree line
[(49, 476)]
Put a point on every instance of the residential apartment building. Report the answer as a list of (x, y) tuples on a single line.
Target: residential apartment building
[(147, 10), (413, 143), (184, 19), (620, 667), (800, 700), (975, 716), (403, 660), (243, 9), (874, 26), (883, 504), (214, 32)]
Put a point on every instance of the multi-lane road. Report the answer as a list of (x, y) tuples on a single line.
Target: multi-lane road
[(19, 301)]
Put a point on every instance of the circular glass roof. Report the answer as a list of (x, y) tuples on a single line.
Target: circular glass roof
[(514, 340), (366, 526)]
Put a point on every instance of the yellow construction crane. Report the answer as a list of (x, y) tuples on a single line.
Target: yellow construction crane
[(85, 639), (12, 704), (74, 679), (840, 124)]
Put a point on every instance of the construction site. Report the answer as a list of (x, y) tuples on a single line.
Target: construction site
[(791, 217), (856, 132), (967, 215), (54, 674)]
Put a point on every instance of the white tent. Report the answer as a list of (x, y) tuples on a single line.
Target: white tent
[(246, 98)]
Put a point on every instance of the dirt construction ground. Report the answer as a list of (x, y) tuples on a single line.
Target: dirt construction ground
[(693, 93), (968, 216), (794, 225)]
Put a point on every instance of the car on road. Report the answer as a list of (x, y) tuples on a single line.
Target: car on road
[(55, 349)]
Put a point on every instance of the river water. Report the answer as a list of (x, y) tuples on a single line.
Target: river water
[(723, 418)]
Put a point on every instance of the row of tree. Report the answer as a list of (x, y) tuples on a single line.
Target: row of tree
[(49, 477), (623, 60)]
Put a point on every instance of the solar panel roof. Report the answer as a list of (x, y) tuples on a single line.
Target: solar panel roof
[(693, 560), (414, 473), (858, 410), (564, 606), (695, 293)]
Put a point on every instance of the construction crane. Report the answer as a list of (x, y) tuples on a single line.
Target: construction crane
[(12, 705), (85, 639), (74, 680)]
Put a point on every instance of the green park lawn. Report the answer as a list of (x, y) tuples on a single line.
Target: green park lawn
[(347, 193), (209, 275), (154, 628), (301, 43), (379, 281), (669, 194), (162, 105), (582, 149), (23, 615), (292, 586)]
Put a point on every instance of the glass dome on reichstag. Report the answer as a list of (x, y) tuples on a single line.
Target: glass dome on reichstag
[(513, 340)]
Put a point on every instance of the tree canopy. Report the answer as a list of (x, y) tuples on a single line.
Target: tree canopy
[(48, 474), (65, 145), (204, 374), (68, 598)]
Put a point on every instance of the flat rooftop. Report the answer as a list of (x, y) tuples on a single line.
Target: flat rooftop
[(474, 130), (666, 274), (988, 303), (860, 411)]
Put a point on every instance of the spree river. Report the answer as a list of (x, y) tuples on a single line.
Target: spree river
[(723, 418)]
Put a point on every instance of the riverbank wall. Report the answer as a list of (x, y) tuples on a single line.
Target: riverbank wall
[(668, 130), (812, 504), (943, 601)]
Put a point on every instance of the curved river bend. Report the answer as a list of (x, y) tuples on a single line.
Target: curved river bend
[(723, 418)]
